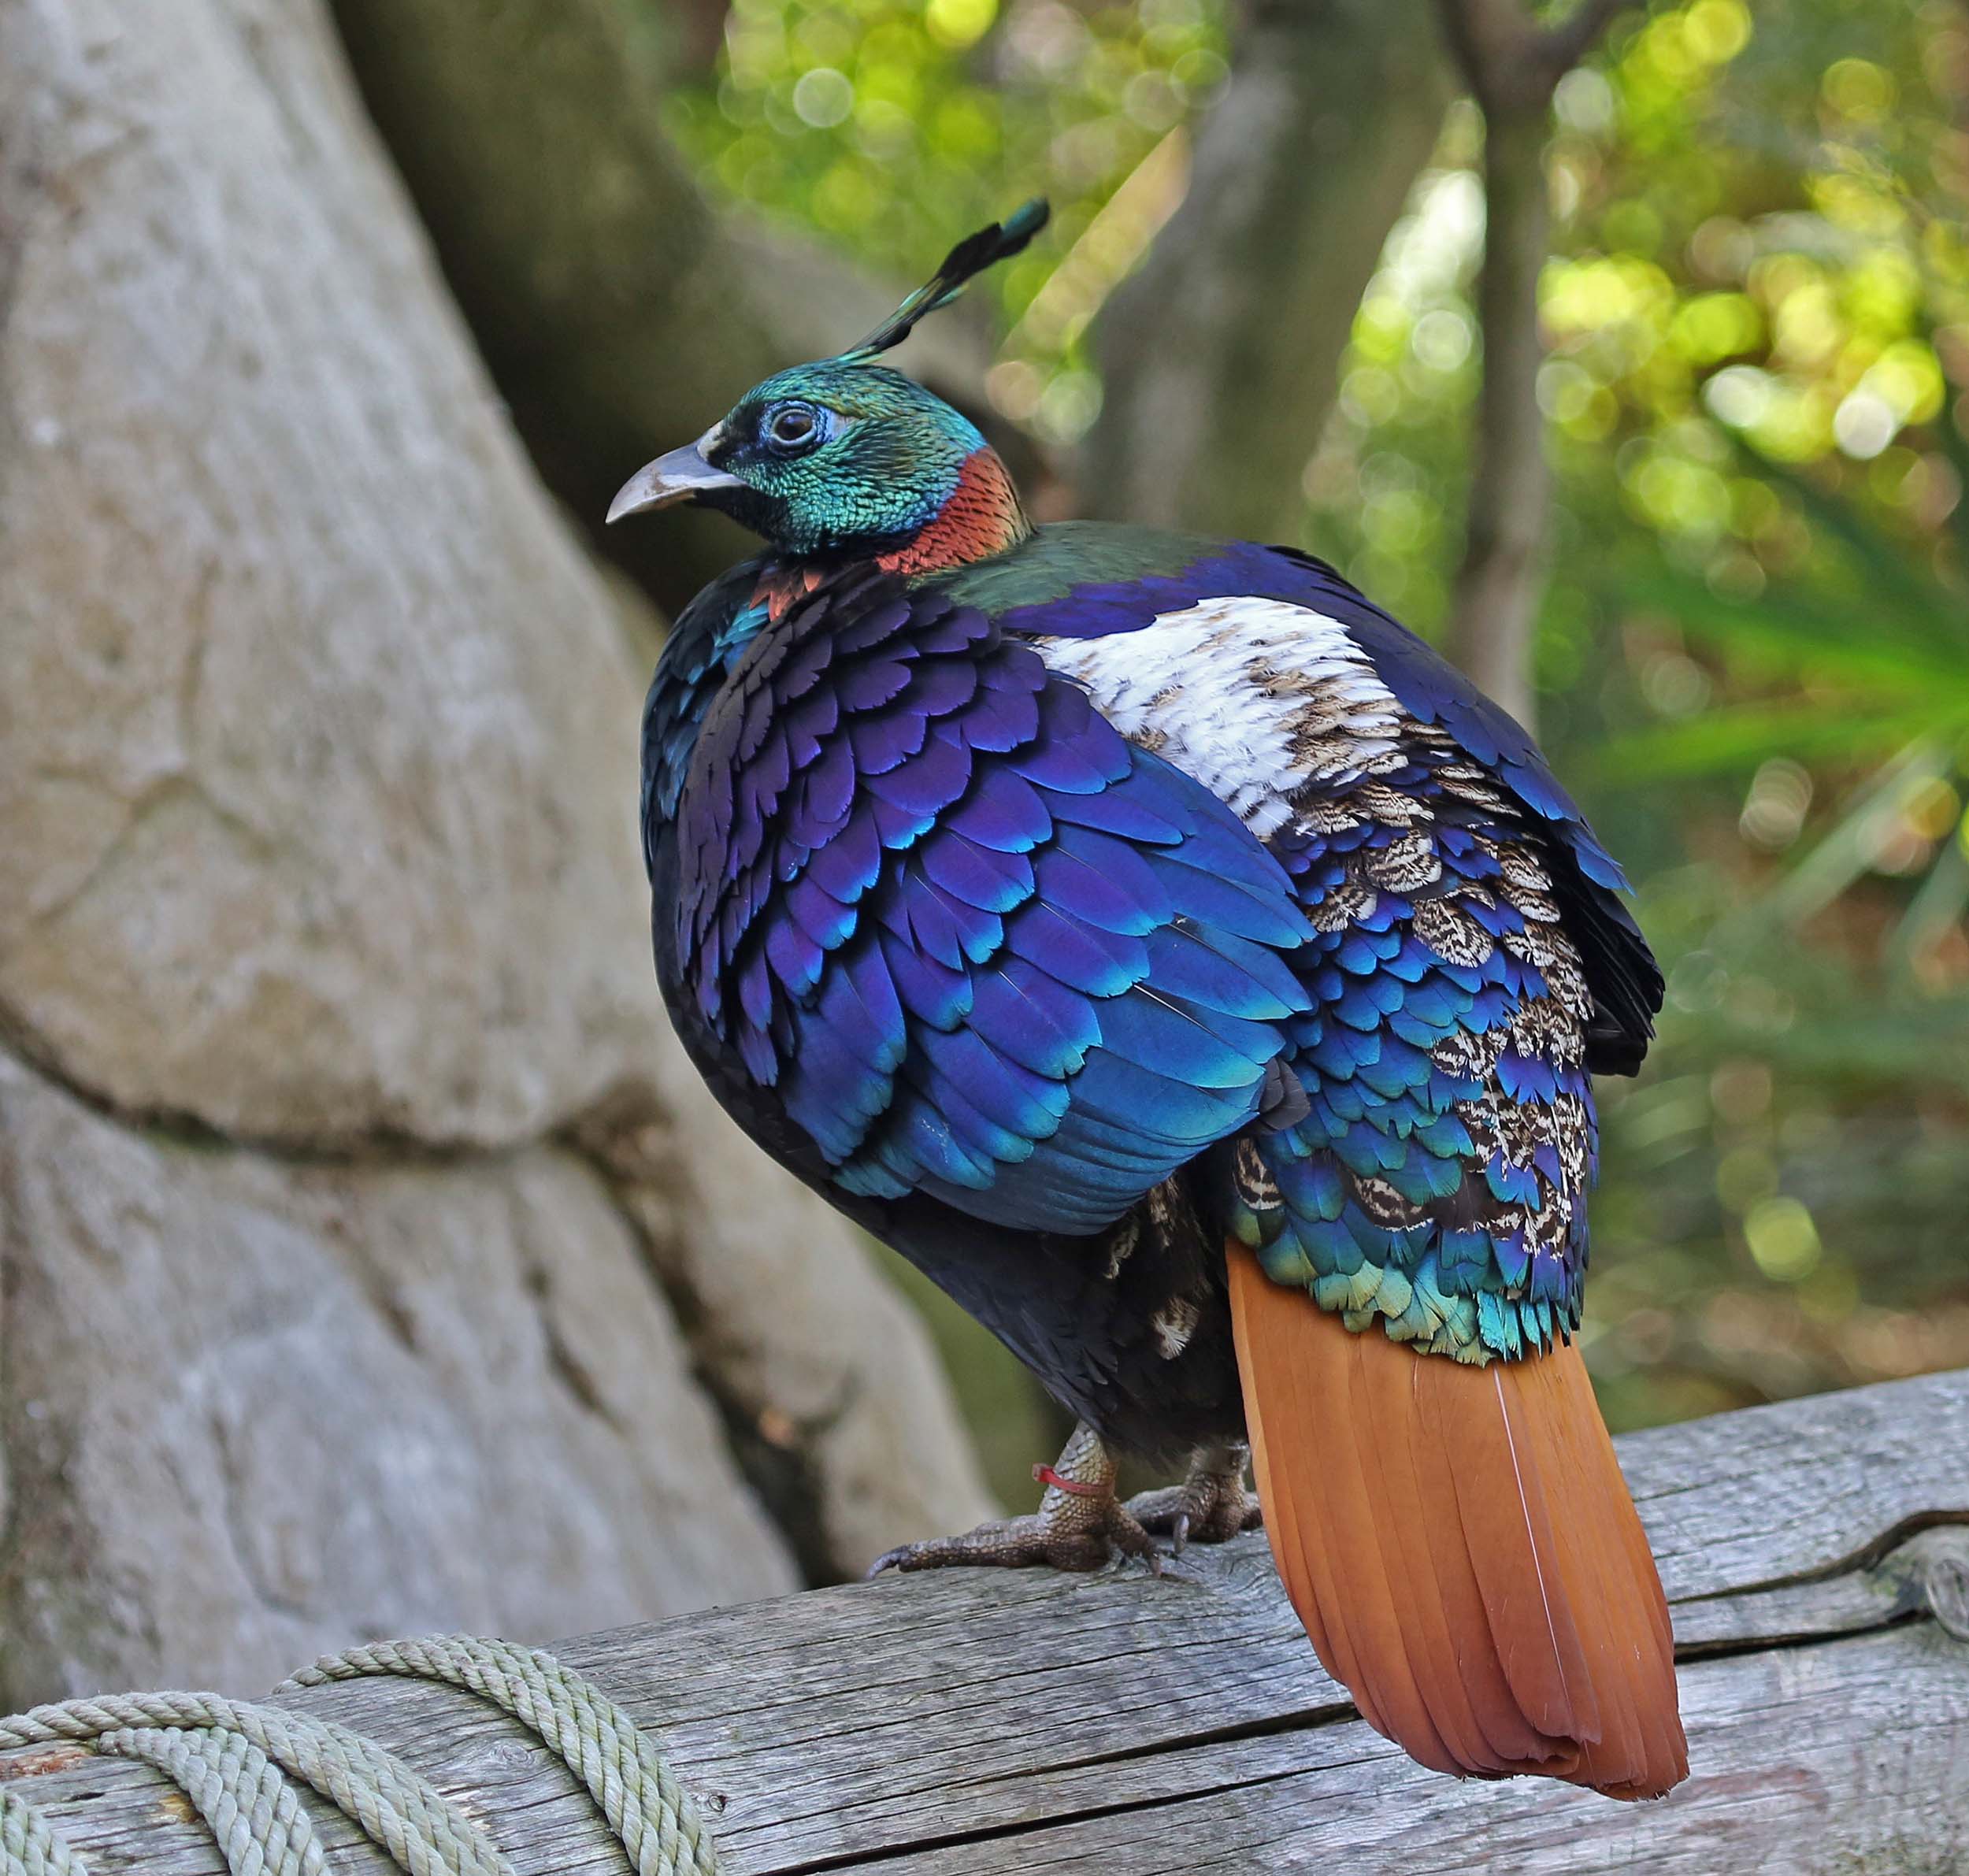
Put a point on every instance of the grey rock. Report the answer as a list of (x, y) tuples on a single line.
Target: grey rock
[(370, 1260), (255, 1409), (317, 732)]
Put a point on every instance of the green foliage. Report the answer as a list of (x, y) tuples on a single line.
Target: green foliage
[(893, 127), (1752, 654), (1759, 235)]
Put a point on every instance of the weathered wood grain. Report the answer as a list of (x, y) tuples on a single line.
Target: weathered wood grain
[(1817, 1555)]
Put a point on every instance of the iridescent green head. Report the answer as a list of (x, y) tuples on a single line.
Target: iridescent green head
[(821, 459), (845, 456)]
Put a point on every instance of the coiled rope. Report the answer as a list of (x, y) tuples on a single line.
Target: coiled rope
[(237, 1764)]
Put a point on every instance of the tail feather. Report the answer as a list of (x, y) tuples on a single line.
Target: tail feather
[(1462, 1548), (1441, 1581), (1366, 1602), (1508, 1525), (1617, 1551)]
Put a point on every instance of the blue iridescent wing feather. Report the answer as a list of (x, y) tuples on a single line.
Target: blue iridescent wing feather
[(980, 946)]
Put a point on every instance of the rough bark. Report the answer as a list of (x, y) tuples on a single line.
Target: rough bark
[(1512, 67), (619, 315), (323, 945), (1222, 354)]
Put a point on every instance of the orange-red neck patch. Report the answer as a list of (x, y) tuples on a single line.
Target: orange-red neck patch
[(982, 517)]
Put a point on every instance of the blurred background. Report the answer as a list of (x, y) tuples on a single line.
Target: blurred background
[(342, 1144)]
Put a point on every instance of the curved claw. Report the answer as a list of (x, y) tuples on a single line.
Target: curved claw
[(1211, 1505)]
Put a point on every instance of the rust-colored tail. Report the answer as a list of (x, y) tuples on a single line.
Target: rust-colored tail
[(1461, 1546)]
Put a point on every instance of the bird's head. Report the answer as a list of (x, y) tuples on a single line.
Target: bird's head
[(845, 456)]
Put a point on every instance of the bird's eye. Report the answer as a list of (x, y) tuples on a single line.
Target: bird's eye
[(793, 427)]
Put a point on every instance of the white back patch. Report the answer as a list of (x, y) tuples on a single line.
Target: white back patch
[(1254, 698)]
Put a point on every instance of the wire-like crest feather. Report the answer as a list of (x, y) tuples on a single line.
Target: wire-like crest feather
[(969, 258)]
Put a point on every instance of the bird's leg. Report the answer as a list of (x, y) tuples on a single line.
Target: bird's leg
[(1211, 1506), (1080, 1523)]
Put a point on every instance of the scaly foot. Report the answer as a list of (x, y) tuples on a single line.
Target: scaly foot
[(1079, 1524), (1213, 1505)]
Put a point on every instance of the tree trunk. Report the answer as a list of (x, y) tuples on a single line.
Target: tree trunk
[(1512, 65), (1495, 606), (1222, 354), (368, 1260)]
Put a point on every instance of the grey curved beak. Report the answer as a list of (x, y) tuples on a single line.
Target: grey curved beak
[(683, 475)]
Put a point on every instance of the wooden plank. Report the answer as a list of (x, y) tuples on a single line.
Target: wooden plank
[(1839, 1757), (981, 1721)]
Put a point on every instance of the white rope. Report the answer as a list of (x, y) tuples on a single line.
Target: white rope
[(237, 1763), (254, 1814), (651, 1815)]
